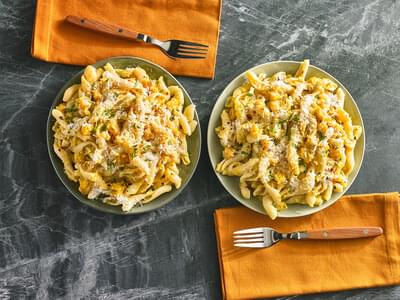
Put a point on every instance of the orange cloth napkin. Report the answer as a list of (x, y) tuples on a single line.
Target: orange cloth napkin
[(194, 20), (299, 267)]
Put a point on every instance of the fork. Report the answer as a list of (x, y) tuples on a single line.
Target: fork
[(264, 237), (172, 48)]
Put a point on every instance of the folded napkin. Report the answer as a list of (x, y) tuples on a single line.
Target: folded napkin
[(194, 20), (299, 267)]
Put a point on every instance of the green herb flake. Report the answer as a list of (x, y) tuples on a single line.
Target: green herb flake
[(110, 113), (110, 165), (321, 136), (103, 127), (271, 175), (288, 132), (134, 153), (94, 130), (71, 109)]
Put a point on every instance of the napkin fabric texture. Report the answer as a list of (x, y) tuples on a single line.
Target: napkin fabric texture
[(56, 40), (300, 267)]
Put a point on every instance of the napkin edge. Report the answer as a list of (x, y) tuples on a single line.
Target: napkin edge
[(222, 278)]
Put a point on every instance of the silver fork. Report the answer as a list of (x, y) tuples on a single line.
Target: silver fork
[(172, 48), (263, 237)]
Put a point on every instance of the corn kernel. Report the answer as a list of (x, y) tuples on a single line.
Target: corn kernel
[(274, 96), (113, 127), (86, 129), (117, 188), (228, 153), (323, 127), (61, 107), (84, 186), (273, 105)]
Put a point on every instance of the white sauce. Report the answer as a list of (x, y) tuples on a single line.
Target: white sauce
[(95, 192), (329, 132), (331, 100), (97, 156), (150, 156), (305, 108), (281, 84), (294, 183)]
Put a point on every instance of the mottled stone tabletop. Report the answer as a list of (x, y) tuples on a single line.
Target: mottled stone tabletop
[(52, 246)]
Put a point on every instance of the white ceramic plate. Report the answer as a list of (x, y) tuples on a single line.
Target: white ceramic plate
[(231, 184)]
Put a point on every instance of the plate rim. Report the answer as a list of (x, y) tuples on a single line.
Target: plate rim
[(211, 131), (95, 203)]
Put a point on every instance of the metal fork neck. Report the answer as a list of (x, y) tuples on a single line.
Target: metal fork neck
[(145, 38), (291, 235)]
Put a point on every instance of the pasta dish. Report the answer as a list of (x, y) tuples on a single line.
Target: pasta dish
[(121, 135), (288, 139)]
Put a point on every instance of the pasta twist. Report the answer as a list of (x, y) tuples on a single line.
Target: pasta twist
[(288, 138), (121, 135)]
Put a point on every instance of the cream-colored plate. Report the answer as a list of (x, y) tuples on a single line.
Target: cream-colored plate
[(231, 184)]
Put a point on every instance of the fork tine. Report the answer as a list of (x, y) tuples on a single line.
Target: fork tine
[(189, 48), (188, 56), (250, 230), (248, 240), (244, 236), (191, 52), (181, 43), (250, 245)]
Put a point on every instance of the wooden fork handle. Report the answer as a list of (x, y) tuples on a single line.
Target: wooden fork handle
[(343, 233), (102, 27)]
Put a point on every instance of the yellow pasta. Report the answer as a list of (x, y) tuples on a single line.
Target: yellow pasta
[(288, 138), (121, 135)]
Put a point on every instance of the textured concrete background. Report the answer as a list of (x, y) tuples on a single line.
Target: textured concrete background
[(51, 246)]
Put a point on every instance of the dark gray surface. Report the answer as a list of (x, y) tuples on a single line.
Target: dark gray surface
[(51, 246)]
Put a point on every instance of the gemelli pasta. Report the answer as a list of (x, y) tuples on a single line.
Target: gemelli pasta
[(288, 139), (121, 135)]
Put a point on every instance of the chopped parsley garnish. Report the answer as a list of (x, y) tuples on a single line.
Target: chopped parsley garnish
[(276, 127), (321, 136), (296, 118), (95, 127), (272, 176), (250, 94), (134, 152), (110, 113), (110, 165), (288, 133), (71, 109), (103, 127)]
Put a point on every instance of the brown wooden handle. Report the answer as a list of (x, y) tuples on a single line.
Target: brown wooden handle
[(343, 233), (101, 27)]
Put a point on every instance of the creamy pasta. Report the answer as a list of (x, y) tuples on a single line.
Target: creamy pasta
[(121, 135), (288, 139)]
